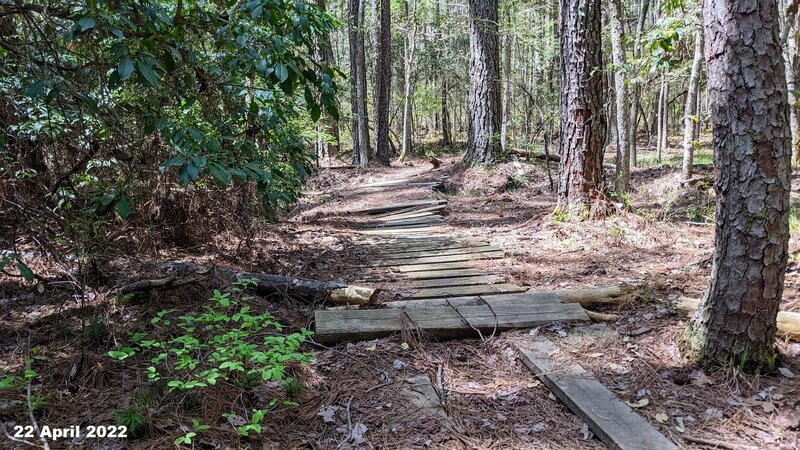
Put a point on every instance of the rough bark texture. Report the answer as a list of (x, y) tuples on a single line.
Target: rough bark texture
[(383, 81), (663, 113), (736, 320), (361, 74), (644, 8), (329, 123), (690, 112), (410, 44), (583, 87), (483, 138), (793, 76), (623, 165), (352, 39), (506, 82)]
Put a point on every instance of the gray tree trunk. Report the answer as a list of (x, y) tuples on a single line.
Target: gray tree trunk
[(662, 140), (352, 35), (637, 88), (408, 62), (582, 124), (383, 81), (506, 82), (735, 323), (361, 75), (623, 166), (483, 135), (690, 112), (330, 125)]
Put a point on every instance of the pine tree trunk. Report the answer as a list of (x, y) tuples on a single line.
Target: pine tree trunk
[(352, 35), (447, 139), (483, 135), (408, 59), (644, 8), (690, 111), (735, 323), (330, 125), (361, 75), (506, 82), (383, 79), (582, 124), (793, 48), (663, 100), (623, 167)]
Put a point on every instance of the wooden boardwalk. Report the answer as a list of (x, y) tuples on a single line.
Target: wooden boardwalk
[(449, 286)]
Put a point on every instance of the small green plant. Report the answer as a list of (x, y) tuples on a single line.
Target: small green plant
[(96, 332), (255, 423), (225, 341), (132, 416), (292, 387), (561, 215)]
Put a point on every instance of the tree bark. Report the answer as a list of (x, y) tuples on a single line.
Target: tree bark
[(582, 124), (408, 62), (383, 80), (363, 112), (506, 81), (483, 135), (690, 112), (735, 323), (644, 8), (663, 103), (352, 38), (623, 164), (329, 123)]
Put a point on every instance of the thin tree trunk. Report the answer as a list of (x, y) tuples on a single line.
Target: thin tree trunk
[(330, 125), (383, 80), (352, 34), (363, 112), (690, 111), (582, 123), (483, 138), (622, 172), (447, 139), (408, 61), (663, 100), (637, 88), (735, 323), (506, 81)]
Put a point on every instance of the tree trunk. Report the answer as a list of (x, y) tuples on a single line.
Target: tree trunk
[(623, 167), (637, 88), (383, 80), (690, 111), (408, 61), (793, 48), (582, 124), (352, 35), (447, 139), (506, 81), (330, 125), (735, 323), (363, 112), (663, 104), (483, 138)]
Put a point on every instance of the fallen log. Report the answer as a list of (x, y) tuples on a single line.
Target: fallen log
[(788, 322), (603, 295), (532, 154), (334, 292)]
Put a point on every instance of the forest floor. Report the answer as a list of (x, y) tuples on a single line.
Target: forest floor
[(350, 395)]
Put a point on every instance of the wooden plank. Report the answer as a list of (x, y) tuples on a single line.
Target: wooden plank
[(412, 221), (396, 206), (438, 251), (492, 300), (483, 289), (410, 215), (429, 275), (411, 210), (441, 323), (458, 265), (434, 259), (611, 420), (422, 246), (458, 281)]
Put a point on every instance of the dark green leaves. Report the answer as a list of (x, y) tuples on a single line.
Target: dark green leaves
[(147, 73), (125, 69)]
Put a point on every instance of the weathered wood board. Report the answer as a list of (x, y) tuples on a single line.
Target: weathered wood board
[(410, 210), (440, 322), (398, 206), (521, 299), (456, 281), (482, 289), (412, 221), (430, 275), (436, 251), (393, 262), (611, 420)]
